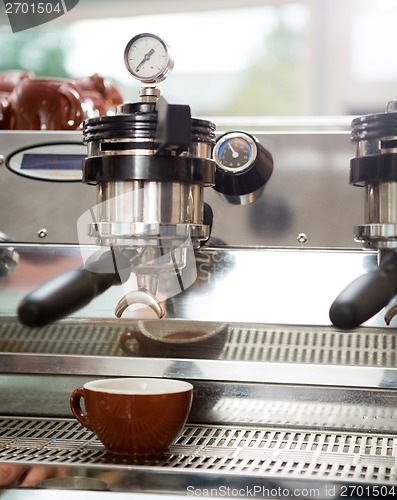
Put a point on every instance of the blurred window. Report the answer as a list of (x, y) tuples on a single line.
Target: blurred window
[(280, 57)]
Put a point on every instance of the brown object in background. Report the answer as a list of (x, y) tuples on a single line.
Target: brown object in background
[(28, 102), (9, 79), (46, 104), (101, 90), (4, 110)]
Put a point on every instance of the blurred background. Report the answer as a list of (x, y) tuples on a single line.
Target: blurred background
[(232, 57)]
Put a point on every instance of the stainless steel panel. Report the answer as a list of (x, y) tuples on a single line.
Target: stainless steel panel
[(253, 285), (28, 205), (325, 375), (308, 193), (274, 403)]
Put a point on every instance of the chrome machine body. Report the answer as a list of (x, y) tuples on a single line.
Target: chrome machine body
[(283, 400)]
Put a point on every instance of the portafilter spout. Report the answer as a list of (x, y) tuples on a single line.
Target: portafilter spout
[(375, 169), (140, 296)]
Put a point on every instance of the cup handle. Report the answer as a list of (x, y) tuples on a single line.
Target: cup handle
[(125, 337), (75, 109), (75, 406)]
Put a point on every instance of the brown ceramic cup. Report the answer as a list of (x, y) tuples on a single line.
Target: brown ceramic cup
[(46, 104), (134, 416)]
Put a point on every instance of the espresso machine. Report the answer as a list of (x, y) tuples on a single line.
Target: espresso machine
[(150, 163), (203, 249)]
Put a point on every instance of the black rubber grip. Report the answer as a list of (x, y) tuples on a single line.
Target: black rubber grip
[(366, 295), (72, 290)]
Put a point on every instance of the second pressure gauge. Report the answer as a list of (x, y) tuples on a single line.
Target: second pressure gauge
[(235, 151), (243, 167), (147, 58)]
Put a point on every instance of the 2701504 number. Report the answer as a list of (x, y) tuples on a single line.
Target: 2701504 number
[(33, 8), (371, 491)]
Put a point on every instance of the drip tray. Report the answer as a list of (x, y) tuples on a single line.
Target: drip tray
[(268, 343), (209, 455)]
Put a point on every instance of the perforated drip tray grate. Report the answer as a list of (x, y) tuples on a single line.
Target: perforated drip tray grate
[(79, 338), (243, 451), (312, 344), (260, 342)]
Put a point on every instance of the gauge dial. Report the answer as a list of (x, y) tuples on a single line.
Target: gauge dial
[(147, 58), (235, 151)]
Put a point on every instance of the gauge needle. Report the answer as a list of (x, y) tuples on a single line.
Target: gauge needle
[(234, 152), (146, 57)]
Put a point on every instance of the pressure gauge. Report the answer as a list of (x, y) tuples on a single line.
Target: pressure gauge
[(243, 167), (148, 59), (235, 151)]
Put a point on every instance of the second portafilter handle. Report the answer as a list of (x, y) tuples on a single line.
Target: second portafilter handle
[(366, 295), (375, 169)]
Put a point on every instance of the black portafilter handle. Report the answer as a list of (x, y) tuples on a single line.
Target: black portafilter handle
[(72, 290), (366, 295)]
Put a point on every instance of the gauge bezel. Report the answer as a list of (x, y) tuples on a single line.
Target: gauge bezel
[(164, 71), (235, 135)]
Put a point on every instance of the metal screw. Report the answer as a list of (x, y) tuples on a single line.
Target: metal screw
[(1, 159), (302, 238), (42, 233)]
